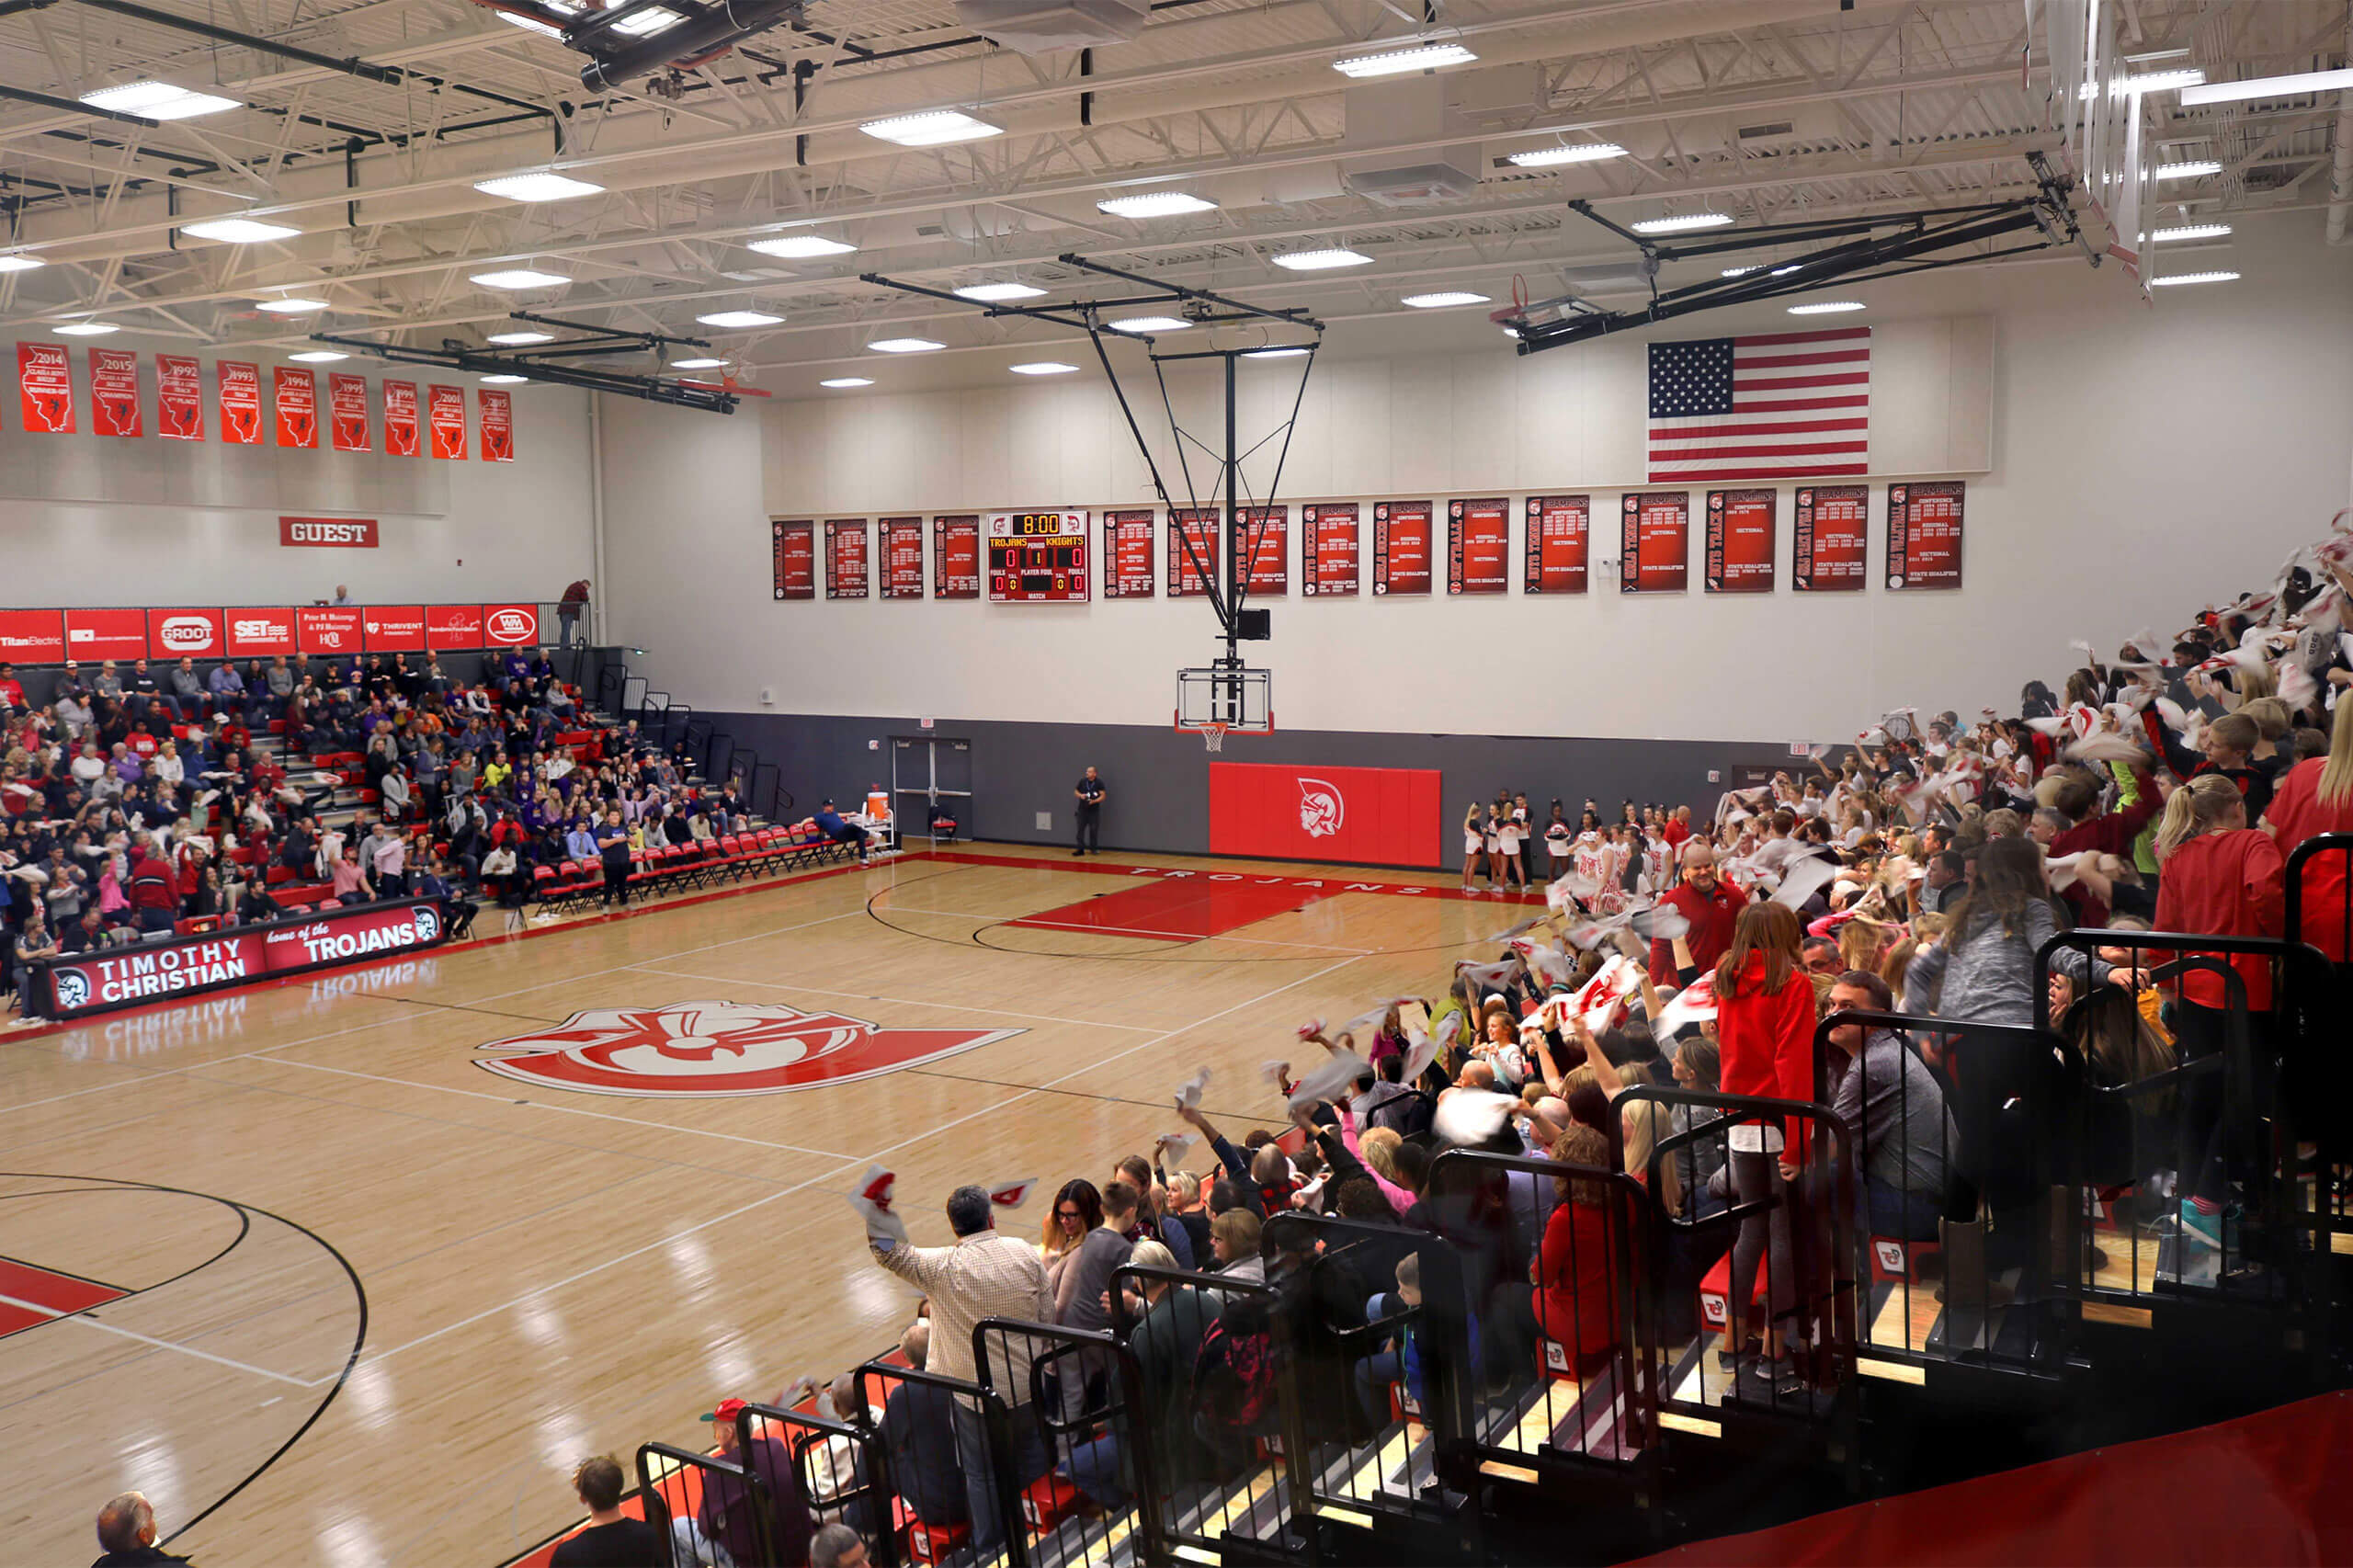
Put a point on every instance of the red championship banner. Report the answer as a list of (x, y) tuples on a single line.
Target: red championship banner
[(1401, 547), (1833, 538), (320, 629), (393, 629), (114, 393), (902, 546), (45, 382), (240, 402), (179, 397), (955, 558), (32, 636), (1654, 550), (1127, 555), (1559, 547), (845, 573), (1262, 550), (1328, 550), (796, 560), (298, 406), (1478, 546), (1924, 535), (400, 418), (497, 424), (106, 634), (1743, 541), (510, 626), (186, 634), (452, 626), (445, 409), (261, 633), (1188, 569), (328, 533), (348, 412), (1357, 816)]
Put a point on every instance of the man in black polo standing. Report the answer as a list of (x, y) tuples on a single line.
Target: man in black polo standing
[(612, 850), (1089, 795)]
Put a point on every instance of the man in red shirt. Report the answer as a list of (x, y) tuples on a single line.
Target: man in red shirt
[(1678, 826), (1709, 903), (154, 889), (2068, 826)]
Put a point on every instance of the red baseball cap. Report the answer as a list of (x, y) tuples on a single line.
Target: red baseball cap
[(727, 1410)]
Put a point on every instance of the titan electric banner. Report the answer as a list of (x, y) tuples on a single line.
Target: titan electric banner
[(1189, 570), (497, 424), (106, 634), (320, 628), (45, 386), (445, 409), (1127, 538), (901, 545), (796, 558), (32, 636), (1924, 535), (184, 634), (1328, 550), (260, 632), (1401, 547), (1833, 538), (400, 418), (1559, 546), (240, 387), (1655, 549), (179, 397), (114, 393), (452, 626), (955, 558), (348, 412), (845, 573), (393, 629), (1743, 541), (1478, 546), (1262, 550), (1358, 816)]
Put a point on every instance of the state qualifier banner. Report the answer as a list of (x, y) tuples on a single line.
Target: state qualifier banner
[(1743, 541), (298, 406), (240, 387), (400, 418), (1127, 555), (1833, 538), (1654, 548), (449, 627), (796, 558), (347, 410), (1402, 543), (955, 558), (1192, 552), (179, 397), (1478, 546), (1328, 535), (497, 426), (1358, 816), (1262, 550), (845, 573), (114, 393), (445, 409), (45, 385), (1559, 547), (902, 546), (1924, 535)]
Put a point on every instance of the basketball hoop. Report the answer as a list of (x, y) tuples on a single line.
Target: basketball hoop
[(1214, 736)]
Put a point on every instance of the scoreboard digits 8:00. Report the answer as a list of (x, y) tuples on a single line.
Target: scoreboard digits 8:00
[(1038, 557)]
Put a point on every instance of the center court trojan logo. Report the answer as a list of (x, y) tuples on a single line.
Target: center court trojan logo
[(707, 1050), (1321, 807)]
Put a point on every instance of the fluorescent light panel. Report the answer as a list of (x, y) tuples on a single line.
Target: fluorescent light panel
[(1826, 308), (1155, 204), (2190, 231), (296, 307), (1679, 222), (937, 129), (843, 383), (992, 293), (158, 100), (318, 356), (904, 345), (238, 230), (532, 23), (1396, 62), (739, 320), (1321, 260), (2193, 278), (647, 22), (1290, 353), (1043, 367), (1553, 157), (19, 263), (800, 247), (86, 328), (517, 339), (517, 278), (540, 187), (1148, 324), (502, 381), (2194, 168), (1443, 299), (704, 364), (2268, 87)]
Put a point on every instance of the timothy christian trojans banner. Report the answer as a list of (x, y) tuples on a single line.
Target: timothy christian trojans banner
[(1374, 817)]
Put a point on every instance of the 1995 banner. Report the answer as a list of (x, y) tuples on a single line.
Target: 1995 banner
[(150, 972)]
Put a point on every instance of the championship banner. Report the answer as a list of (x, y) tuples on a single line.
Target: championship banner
[(450, 627), (393, 629), (106, 634), (1185, 579), (1833, 538), (186, 634), (347, 410), (1262, 550), (510, 626), (446, 410), (45, 382), (1127, 555), (298, 406), (796, 560), (846, 575), (32, 636), (1478, 545), (901, 545), (400, 418), (240, 402), (1401, 547), (1743, 541), (179, 397), (320, 628), (497, 426), (1655, 550), (260, 632), (1924, 535), (1328, 550), (1559, 547), (114, 393), (955, 559)]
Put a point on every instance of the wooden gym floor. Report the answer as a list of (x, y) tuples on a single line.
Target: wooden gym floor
[(299, 1240)]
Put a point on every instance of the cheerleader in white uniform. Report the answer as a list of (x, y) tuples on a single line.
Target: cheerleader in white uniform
[(1475, 846)]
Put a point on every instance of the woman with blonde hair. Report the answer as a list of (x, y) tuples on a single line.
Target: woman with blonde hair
[(2316, 797), (1474, 848)]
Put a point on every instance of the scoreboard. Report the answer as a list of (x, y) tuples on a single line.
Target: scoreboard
[(1038, 557)]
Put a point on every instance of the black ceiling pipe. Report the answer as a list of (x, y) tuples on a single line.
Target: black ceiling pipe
[(72, 106), (701, 35)]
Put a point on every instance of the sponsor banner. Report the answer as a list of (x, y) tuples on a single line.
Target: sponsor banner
[(452, 626), (240, 387), (320, 629), (1372, 816), (955, 559), (1743, 541), (184, 634), (1127, 555), (1478, 546), (328, 533), (846, 575), (106, 634), (297, 397), (400, 418), (796, 560), (1924, 535), (510, 626), (1560, 544), (1328, 550), (1188, 568), (114, 393), (497, 426), (445, 408), (1833, 538), (32, 636), (1654, 546), (45, 384), (179, 397), (1262, 550), (347, 410), (259, 631), (902, 558), (89, 982), (393, 629), (1401, 547)]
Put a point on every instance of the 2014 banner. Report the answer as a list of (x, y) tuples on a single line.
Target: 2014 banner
[(446, 411), (298, 406), (400, 418), (114, 393), (179, 397), (240, 386), (45, 383)]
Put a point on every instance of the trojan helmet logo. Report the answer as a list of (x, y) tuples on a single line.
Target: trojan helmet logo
[(72, 988), (707, 1050), (1321, 807), (427, 920)]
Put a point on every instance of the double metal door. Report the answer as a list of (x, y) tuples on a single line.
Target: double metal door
[(928, 771)]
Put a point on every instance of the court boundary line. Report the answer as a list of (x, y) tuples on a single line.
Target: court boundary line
[(83, 1315), (1030, 923)]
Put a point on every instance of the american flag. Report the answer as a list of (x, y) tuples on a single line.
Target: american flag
[(1777, 406)]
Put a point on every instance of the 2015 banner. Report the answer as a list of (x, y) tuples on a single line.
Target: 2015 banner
[(347, 410), (497, 426), (240, 387), (45, 383), (446, 411), (400, 418), (298, 406), (114, 393), (179, 397)]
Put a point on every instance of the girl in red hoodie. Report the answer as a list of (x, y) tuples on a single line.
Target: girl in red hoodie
[(2316, 797), (1765, 1026)]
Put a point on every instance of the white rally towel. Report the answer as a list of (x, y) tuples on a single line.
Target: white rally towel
[(1331, 1081), (1188, 1093), (1471, 1116), (1174, 1147), (1011, 1194), (873, 1199)]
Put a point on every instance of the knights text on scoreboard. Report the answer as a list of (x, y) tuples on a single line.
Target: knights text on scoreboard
[(1038, 557)]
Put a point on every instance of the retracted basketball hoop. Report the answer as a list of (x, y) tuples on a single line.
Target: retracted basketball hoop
[(1225, 699)]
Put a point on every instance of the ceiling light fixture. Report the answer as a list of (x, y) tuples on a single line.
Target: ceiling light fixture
[(1043, 367), (1396, 62), (502, 381), (541, 187), (238, 230), (2190, 231), (1680, 222), (1148, 324), (86, 328), (517, 19), (20, 263), (517, 339), (1154, 204), (2193, 278), (318, 356), (904, 345), (648, 21), (293, 307), (2265, 87), (1321, 260), (935, 128), (1826, 308), (991, 293), (1443, 299), (800, 247), (737, 321), (703, 364), (2148, 82), (158, 100), (2194, 168), (1740, 271), (1578, 153), (1284, 353), (843, 383), (517, 278)]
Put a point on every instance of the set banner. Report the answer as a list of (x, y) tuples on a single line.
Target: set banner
[(1127, 555), (393, 629), (452, 626), (298, 406), (106, 634), (323, 629), (45, 384), (796, 558), (1654, 548), (1357, 816), (1743, 541), (348, 412), (186, 634), (179, 397), (400, 418), (32, 636), (1200, 529), (845, 573), (510, 626), (114, 393), (1558, 551), (497, 424), (955, 557), (1833, 538), (1478, 546), (1262, 550), (1924, 535), (261, 633), (902, 547), (240, 385), (1328, 550), (445, 409), (1401, 547)]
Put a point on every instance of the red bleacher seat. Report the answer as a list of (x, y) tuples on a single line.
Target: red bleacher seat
[(1048, 1502), (1894, 1259), (1716, 1285), (932, 1543)]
